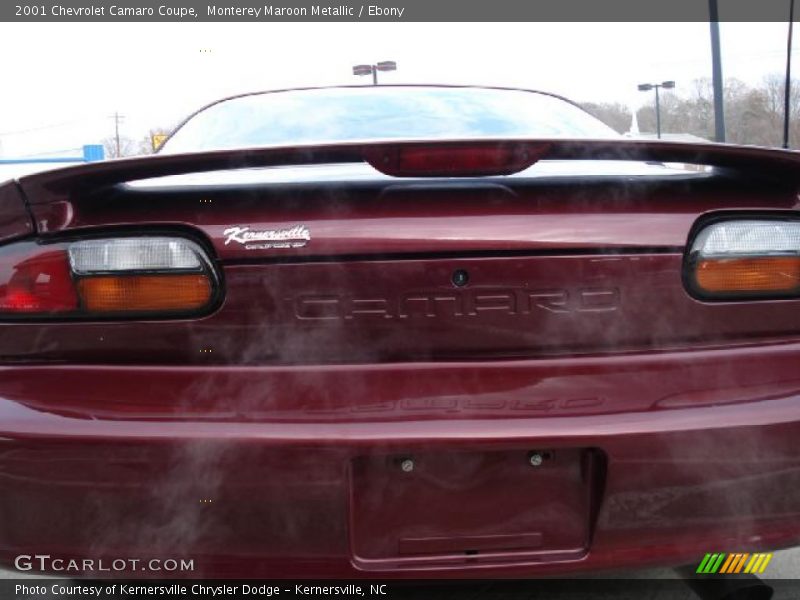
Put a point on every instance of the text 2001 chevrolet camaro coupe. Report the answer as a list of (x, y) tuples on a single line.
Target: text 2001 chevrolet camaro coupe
[(402, 331)]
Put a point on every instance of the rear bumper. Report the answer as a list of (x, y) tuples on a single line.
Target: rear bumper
[(288, 471)]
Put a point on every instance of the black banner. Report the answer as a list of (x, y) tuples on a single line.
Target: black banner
[(545, 589), (391, 10)]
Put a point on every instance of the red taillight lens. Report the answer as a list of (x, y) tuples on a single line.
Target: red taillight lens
[(143, 276), (470, 159), (36, 280)]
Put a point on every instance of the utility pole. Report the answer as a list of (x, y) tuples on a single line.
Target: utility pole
[(118, 118)]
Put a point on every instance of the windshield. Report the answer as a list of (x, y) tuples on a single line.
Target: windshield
[(369, 113)]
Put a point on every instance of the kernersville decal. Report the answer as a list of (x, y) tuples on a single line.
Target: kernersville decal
[(289, 237)]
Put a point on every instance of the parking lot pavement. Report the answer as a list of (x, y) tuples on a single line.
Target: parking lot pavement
[(784, 565), (787, 565)]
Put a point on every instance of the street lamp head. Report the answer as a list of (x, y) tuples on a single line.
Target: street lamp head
[(645, 87), (362, 70), (386, 65), (668, 84)]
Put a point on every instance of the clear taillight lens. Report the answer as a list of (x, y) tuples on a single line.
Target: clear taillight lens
[(745, 258), (137, 275), (134, 254)]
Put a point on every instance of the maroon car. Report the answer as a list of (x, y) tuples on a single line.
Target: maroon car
[(400, 331)]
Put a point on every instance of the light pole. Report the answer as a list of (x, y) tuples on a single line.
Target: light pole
[(787, 90), (646, 87), (716, 71), (386, 65)]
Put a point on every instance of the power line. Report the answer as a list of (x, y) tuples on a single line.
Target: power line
[(49, 152), (44, 127)]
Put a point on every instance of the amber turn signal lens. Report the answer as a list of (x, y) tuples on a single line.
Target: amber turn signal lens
[(144, 293), (767, 274)]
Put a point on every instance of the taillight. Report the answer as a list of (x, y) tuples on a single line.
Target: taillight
[(35, 279), (745, 258), (149, 276), (144, 293), (457, 159)]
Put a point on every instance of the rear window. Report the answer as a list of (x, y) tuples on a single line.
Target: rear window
[(382, 113)]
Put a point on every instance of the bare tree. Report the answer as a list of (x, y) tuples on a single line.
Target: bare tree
[(615, 115), (774, 90), (672, 116), (753, 115), (127, 147)]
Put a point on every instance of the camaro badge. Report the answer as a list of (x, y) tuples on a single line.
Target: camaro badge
[(291, 237)]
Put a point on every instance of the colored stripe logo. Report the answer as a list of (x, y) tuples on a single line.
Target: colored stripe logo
[(733, 563)]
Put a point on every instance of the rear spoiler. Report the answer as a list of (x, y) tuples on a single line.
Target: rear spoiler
[(414, 158)]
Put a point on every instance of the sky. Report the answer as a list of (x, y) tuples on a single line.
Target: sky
[(63, 81)]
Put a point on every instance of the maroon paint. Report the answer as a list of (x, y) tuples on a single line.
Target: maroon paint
[(55, 185), (403, 221), (670, 425), (14, 219), (675, 480)]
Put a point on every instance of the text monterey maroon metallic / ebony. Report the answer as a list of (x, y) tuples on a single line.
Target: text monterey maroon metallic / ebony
[(402, 331)]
